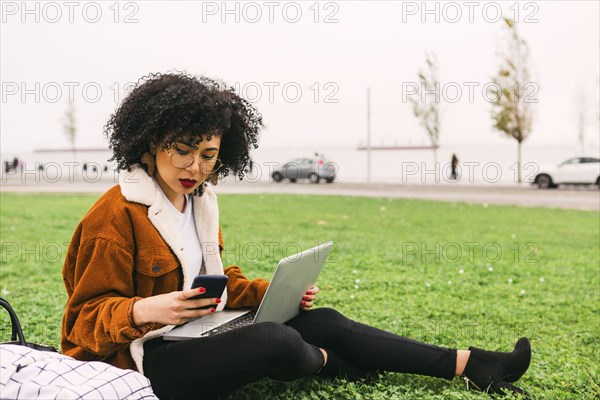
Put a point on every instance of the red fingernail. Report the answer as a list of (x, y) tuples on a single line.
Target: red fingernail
[(303, 303), (213, 309), (305, 297), (202, 290), (217, 301), (309, 292)]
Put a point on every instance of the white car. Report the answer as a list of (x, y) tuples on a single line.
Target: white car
[(578, 170)]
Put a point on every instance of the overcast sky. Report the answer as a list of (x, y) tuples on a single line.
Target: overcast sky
[(305, 65)]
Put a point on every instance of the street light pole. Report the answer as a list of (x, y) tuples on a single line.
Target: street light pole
[(368, 135)]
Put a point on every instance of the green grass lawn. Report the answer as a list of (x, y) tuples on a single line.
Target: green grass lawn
[(446, 273)]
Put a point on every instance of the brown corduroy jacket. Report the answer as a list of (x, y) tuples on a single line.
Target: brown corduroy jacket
[(124, 250)]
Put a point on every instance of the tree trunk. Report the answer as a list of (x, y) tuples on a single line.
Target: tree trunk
[(519, 164), (74, 153)]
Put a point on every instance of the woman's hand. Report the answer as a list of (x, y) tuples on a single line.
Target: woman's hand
[(174, 308), (309, 298)]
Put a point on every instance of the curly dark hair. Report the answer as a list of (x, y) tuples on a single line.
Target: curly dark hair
[(164, 107)]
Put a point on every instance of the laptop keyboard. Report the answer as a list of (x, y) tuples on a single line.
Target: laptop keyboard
[(238, 322)]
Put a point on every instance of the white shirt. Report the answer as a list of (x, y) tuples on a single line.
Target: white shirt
[(185, 226)]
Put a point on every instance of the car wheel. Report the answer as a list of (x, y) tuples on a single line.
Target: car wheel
[(329, 180), (544, 181), (277, 177), (293, 180), (313, 178)]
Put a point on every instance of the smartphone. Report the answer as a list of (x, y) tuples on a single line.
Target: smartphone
[(214, 285)]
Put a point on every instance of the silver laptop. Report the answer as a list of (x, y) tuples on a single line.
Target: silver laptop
[(293, 277)]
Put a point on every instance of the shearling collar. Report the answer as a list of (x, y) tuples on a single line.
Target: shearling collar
[(137, 186)]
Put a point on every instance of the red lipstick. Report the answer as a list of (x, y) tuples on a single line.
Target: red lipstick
[(187, 183)]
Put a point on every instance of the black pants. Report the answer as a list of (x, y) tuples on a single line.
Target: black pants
[(216, 365), (453, 174)]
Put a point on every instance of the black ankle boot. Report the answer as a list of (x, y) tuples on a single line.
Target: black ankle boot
[(491, 371)]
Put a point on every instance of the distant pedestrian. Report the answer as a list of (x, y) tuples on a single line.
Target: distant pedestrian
[(453, 174), (320, 159)]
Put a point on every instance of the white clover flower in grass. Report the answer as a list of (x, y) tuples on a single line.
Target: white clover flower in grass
[(510, 280), (382, 208), (5, 292), (354, 271), (490, 268), (449, 282), (522, 292), (357, 281), (461, 271), (513, 236), (355, 286), (427, 284), (541, 279), (352, 296)]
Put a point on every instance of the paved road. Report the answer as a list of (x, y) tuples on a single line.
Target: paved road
[(580, 198)]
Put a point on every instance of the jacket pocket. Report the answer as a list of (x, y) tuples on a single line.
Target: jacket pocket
[(156, 265), (157, 274)]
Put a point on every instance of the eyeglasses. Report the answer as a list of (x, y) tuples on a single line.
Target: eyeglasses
[(182, 159)]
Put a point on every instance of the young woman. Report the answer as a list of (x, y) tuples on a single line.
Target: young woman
[(132, 259)]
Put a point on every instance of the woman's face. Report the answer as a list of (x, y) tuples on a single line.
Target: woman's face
[(172, 173)]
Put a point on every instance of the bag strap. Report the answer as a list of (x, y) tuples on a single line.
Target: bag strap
[(17, 332)]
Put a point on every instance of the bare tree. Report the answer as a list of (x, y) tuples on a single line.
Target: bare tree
[(69, 126), (428, 111), (512, 107), (581, 104)]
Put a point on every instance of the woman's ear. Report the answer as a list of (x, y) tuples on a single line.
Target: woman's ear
[(149, 159)]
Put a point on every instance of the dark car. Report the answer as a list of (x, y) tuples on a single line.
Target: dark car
[(315, 169)]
